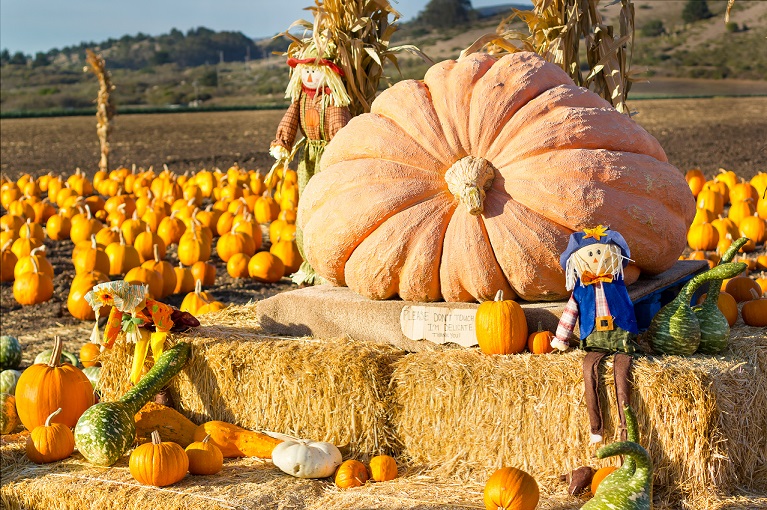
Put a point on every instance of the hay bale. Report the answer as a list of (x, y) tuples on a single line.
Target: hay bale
[(333, 390), (74, 484), (246, 484), (703, 419)]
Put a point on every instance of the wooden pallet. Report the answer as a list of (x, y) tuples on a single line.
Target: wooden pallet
[(326, 311)]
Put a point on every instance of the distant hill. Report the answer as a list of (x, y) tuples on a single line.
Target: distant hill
[(224, 69)]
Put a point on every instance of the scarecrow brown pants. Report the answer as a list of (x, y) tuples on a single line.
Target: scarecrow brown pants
[(622, 375)]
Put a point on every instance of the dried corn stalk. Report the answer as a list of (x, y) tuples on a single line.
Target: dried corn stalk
[(556, 30), (729, 6), (105, 108), (361, 31)]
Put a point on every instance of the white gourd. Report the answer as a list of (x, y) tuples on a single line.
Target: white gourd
[(307, 459)]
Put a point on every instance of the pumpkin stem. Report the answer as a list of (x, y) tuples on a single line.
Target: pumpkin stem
[(468, 179), (58, 346), (198, 286), (157, 253), (206, 438), (94, 244), (156, 437), (499, 296), (754, 293), (122, 238), (35, 266), (48, 419)]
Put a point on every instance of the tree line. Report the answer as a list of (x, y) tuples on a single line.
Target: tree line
[(198, 46)]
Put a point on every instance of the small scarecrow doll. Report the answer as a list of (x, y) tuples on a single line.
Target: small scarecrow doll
[(593, 264), (144, 321), (319, 108)]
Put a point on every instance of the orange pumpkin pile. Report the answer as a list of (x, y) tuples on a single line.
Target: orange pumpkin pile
[(122, 222), (729, 207)]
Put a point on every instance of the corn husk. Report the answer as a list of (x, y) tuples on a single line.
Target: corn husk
[(360, 31), (556, 29), (105, 107)]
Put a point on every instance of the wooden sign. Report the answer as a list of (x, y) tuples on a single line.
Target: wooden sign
[(439, 324)]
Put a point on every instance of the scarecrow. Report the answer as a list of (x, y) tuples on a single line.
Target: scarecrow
[(144, 321), (593, 264), (319, 108)]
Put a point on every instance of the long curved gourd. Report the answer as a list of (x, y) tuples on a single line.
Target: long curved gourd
[(629, 489), (610, 483), (714, 328), (107, 430), (675, 328)]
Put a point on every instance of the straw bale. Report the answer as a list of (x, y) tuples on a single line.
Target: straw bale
[(330, 390), (256, 484), (76, 484), (703, 419)]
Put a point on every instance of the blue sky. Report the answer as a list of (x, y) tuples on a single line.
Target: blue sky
[(40, 25)]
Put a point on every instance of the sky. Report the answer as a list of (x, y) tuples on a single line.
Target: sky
[(30, 26)]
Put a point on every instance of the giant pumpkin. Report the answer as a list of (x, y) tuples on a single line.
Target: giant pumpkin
[(472, 180)]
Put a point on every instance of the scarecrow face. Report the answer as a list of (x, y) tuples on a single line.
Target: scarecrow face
[(311, 76), (597, 258)]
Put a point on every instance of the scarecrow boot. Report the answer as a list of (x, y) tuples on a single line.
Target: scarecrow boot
[(591, 383)]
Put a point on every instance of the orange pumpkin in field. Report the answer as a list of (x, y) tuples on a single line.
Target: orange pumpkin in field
[(459, 208)]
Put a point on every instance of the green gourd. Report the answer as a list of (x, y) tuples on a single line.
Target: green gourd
[(714, 328), (675, 328), (610, 483), (93, 374), (106, 431), (630, 486), (8, 380), (66, 357), (10, 352)]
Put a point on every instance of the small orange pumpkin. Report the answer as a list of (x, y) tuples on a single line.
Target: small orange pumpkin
[(89, 354), (122, 257), (351, 473), (184, 280), (81, 285), (33, 287), (204, 272), (237, 265), (195, 300), (740, 288), (539, 342), (24, 265), (501, 326), (8, 262), (754, 312), (158, 463), (511, 488), (165, 269), (702, 236), (383, 468), (287, 251), (266, 267), (205, 458), (50, 442)]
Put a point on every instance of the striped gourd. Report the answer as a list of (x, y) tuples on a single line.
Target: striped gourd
[(675, 328), (8, 380), (107, 430), (630, 486), (714, 328), (10, 352)]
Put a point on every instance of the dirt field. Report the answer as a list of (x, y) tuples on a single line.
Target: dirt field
[(708, 133)]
